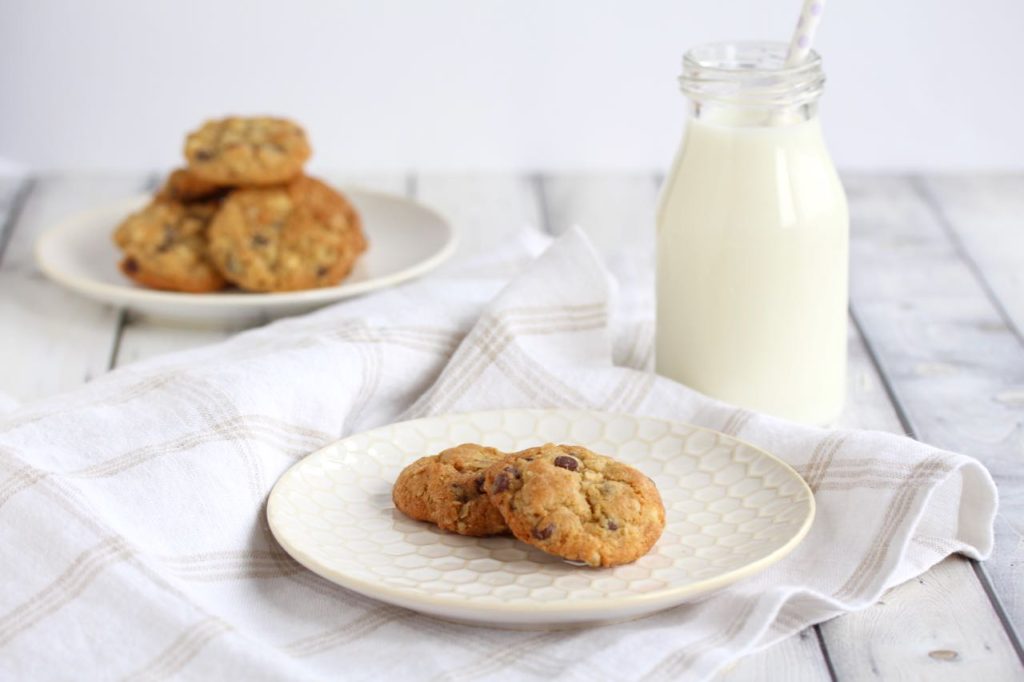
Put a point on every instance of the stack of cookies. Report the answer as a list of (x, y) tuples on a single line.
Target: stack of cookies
[(563, 499), (242, 213)]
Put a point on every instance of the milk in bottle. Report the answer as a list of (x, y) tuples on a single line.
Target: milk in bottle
[(753, 239)]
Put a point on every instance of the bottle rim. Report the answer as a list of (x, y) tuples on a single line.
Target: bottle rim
[(750, 73)]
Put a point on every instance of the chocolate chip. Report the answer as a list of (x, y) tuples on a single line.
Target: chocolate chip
[(259, 240), (204, 155), (131, 265), (321, 271), (512, 470), (612, 525), (567, 462), (500, 483), (545, 532), (480, 484), (460, 493)]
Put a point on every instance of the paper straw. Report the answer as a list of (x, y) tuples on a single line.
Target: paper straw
[(803, 36)]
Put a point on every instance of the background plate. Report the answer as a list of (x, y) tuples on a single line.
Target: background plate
[(406, 239), (732, 510)]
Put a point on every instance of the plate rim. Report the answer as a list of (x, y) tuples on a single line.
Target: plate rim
[(127, 294), (669, 597)]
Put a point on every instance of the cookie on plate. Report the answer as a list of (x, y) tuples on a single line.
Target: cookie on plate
[(296, 236), (165, 246), (447, 489), (255, 150), (576, 504), (185, 186)]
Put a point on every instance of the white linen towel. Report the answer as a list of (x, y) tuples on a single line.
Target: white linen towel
[(132, 510)]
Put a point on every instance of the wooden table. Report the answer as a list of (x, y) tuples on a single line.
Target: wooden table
[(936, 352)]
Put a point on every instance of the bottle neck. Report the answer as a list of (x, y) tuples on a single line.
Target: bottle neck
[(748, 84)]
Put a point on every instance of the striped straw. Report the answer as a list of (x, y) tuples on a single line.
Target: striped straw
[(803, 36)]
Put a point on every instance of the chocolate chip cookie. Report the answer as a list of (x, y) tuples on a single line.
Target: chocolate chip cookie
[(447, 489), (295, 236), (247, 151), (165, 246), (576, 504)]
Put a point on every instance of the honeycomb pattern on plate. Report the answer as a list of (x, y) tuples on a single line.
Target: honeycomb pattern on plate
[(728, 506)]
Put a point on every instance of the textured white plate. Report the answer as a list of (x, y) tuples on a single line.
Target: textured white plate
[(732, 510), (407, 239)]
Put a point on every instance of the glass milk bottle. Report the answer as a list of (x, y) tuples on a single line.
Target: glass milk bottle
[(753, 239)]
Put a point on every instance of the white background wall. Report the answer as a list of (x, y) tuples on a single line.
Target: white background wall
[(429, 84)]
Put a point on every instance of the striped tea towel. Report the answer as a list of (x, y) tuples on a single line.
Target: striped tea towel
[(132, 522)]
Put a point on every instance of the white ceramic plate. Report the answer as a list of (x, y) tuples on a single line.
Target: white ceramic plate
[(406, 239), (732, 510)]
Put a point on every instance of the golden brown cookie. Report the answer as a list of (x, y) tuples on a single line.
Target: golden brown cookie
[(297, 236), (250, 150), (576, 504), (165, 246), (447, 489), (184, 185)]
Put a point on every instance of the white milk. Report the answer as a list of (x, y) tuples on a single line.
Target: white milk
[(752, 264)]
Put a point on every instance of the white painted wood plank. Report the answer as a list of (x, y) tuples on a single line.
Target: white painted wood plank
[(143, 338), (936, 627), (10, 188), (617, 213), (950, 357), (484, 207), (52, 339), (796, 659), (986, 214), (940, 626)]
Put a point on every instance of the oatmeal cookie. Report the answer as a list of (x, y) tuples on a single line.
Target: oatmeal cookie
[(447, 489), (185, 186), (296, 236), (165, 246), (247, 151), (576, 504)]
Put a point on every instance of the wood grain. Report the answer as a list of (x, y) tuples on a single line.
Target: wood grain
[(938, 626), (985, 214), (947, 605), (484, 208), (944, 347), (614, 212), (53, 339)]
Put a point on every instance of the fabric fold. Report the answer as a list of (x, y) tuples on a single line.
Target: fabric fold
[(132, 508)]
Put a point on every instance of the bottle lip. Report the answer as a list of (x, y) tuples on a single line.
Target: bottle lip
[(750, 73)]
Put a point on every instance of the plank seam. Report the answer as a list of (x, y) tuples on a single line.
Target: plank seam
[(149, 185), (540, 191), (115, 349), (824, 652), (930, 200), (890, 389), (997, 606), (908, 427), (18, 202)]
